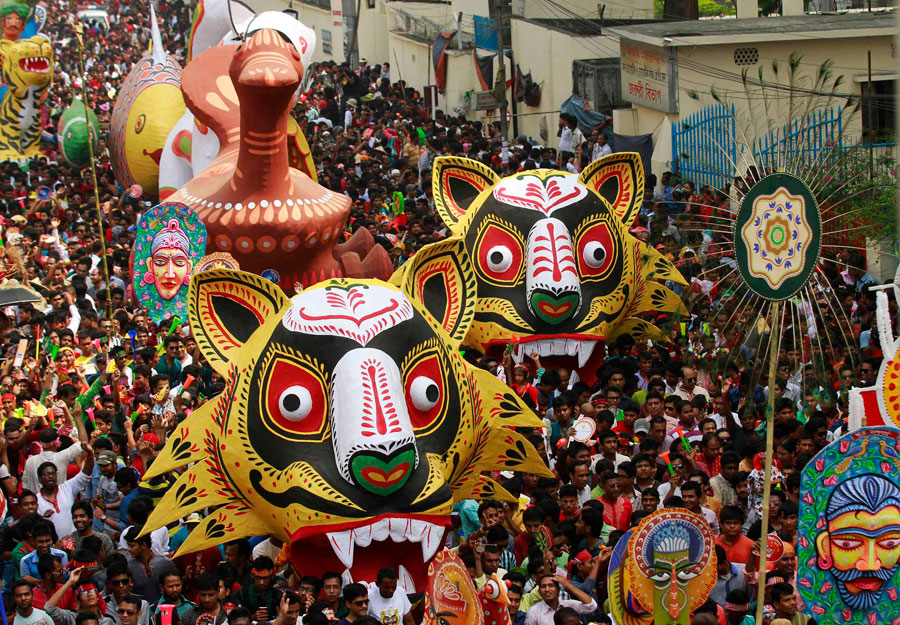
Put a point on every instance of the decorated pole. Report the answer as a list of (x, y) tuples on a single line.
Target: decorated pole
[(774, 342), (79, 33)]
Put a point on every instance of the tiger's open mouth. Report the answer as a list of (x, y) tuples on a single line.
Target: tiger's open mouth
[(35, 65), (405, 542), (573, 346)]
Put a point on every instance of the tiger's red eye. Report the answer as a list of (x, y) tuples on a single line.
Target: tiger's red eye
[(595, 250), (295, 398), (499, 254), (425, 392)]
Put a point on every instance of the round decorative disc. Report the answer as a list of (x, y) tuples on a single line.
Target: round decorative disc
[(777, 236)]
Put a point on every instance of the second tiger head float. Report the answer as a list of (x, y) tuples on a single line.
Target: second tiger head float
[(558, 271)]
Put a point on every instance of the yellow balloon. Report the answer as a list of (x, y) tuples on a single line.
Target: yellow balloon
[(152, 116), (148, 104)]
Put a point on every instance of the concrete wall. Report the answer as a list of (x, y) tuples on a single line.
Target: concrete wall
[(373, 27), (849, 56), (696, 63), (548, 54)]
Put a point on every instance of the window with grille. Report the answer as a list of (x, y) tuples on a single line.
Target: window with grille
[(326, 41), (746, 56)]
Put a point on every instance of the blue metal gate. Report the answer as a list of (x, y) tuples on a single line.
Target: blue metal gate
[(802, 139), (707, 146), (704, 147)]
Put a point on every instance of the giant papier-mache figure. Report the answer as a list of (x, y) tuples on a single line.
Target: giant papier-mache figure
[(557, 270), (275, 220), (148, 104), (235, 156), (190, 146), (350, 423), (27, 74)]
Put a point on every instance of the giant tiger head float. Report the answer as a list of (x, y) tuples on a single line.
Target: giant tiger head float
[(350, 423), (557, 270)]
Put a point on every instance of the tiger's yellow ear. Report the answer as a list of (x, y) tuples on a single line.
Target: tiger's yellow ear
[(440, 277), (455, 184), (619, 179), (225, 307)]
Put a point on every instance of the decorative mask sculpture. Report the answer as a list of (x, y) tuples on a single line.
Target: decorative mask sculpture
[(622, 605), (170, 241), (272, 218), (557, 270), (450, 596), (666, 572), (887, 386), (20, 20), (494, 601), (350, 423), (849, 529), (27, 74), (148, 104), (13, 17)]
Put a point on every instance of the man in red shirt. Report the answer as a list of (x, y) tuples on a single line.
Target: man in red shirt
[(630, 413), (735, 544), (616, 509)]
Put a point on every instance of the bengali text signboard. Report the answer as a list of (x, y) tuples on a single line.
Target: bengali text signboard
[(648, 76)]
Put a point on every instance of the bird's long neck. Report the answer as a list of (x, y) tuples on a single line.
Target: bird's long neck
[(263, 155)]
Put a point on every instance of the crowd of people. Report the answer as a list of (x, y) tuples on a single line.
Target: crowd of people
[(678, 424)]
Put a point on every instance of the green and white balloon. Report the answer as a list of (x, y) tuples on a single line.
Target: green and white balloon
[(73, 131)]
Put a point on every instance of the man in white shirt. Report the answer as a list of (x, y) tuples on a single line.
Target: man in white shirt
[(49, 439), (348, 114), (565, 137), (385, 603), (609, 443), (687, 388), (25, 613), (601, 147), (580, 478), (690, 495), (55, 500), (542, 613), (721, 415)]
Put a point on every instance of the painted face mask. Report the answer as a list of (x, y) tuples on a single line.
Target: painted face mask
[(670, 565), (622, 604), (849, 529), (350, 423), (170, 240), (450, 595), (557, 270)]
